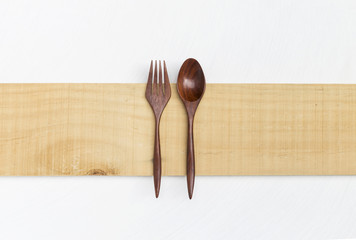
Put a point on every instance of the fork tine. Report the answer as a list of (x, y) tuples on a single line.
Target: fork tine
[(155, 79), (149, 81), (160, 89), (167, 86)]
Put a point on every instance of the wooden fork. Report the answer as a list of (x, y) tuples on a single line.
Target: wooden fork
[(158, 95)]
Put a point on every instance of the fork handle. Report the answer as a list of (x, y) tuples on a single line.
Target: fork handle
[(190, 158), (157, 160)]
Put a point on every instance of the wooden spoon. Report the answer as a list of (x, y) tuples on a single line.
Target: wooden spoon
[(191, 87)]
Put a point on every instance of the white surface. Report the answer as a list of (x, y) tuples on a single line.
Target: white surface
[(235, 41)]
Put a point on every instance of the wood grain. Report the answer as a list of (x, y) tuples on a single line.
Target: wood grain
[(240, 129)]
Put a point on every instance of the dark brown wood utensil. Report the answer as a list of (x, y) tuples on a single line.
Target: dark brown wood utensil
[(191, 88), (158, 95)]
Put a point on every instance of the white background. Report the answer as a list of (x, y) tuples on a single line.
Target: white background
[(235, 41)]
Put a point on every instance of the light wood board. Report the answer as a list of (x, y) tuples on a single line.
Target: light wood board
[(240, 129)]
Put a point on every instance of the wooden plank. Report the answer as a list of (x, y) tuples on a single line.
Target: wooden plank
[(240, 129)]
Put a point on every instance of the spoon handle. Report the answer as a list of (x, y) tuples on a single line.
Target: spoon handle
[(157, 160), (190, 158)]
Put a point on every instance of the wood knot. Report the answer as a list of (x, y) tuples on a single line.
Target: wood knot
[(96, 172)]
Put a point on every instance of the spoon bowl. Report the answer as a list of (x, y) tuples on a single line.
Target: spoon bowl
[(191, 81), (191, 88)]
